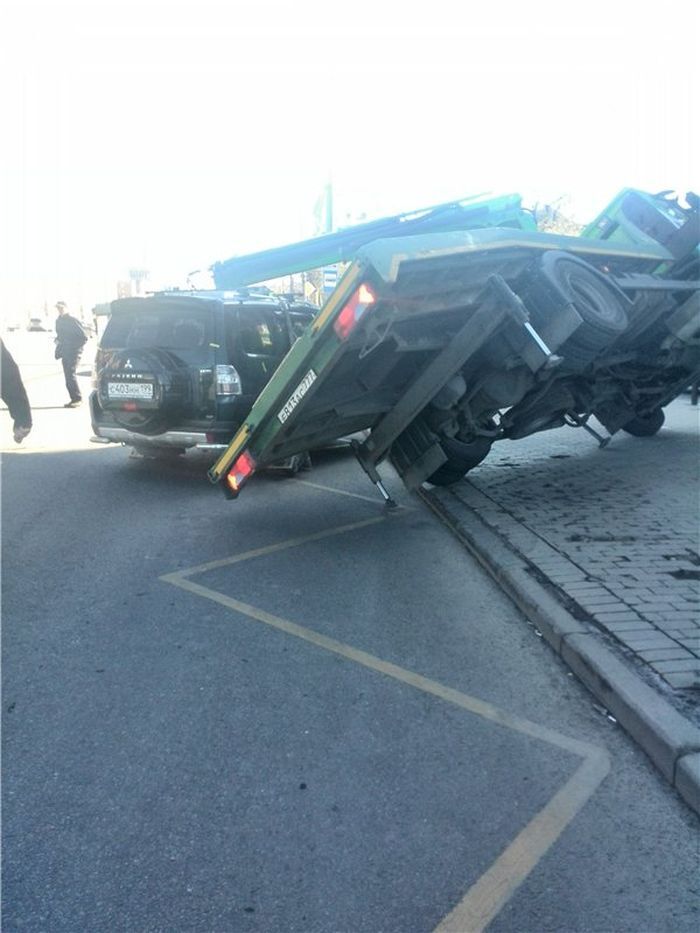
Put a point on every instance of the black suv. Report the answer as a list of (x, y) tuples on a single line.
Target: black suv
[(177, 370)]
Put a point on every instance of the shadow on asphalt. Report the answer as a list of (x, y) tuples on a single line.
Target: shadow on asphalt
[(124, 472), (192, 467)]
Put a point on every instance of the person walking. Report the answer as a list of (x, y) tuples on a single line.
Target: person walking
[(70, 340), (14, 395)]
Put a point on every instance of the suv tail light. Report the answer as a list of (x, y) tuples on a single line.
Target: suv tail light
[(352, 311), (228, 382)]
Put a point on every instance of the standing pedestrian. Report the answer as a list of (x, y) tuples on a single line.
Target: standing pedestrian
[(14, 395), (70, 340)]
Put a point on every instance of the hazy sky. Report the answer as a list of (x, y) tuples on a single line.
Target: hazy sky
[(169, 135)]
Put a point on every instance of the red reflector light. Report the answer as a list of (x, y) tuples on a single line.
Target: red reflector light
[(129, 406), (352, 311), (240, 471)]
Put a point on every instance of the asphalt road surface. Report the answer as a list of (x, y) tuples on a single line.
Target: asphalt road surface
[(293, 712)]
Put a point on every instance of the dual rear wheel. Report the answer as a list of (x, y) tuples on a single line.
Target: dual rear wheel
[(461, 457), (645, 425)]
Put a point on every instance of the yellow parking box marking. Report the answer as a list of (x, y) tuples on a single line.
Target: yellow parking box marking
[(495, 887), (178, 575), (355, 495), (487, 896)]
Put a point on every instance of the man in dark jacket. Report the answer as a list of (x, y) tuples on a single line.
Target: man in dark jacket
[(70, 339), (14, 395)]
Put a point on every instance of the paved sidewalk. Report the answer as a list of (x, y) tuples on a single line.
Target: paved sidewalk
[(611, 539), (617, 530)]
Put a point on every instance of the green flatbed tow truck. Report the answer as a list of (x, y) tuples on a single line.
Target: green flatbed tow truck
[(434, 345)]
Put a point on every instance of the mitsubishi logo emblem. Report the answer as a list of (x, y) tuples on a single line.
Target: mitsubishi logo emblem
[(128, 365)]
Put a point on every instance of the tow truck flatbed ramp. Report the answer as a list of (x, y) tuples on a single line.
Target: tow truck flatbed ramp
[(408, 314)]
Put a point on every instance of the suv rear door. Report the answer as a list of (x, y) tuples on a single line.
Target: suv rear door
[(157, 359)]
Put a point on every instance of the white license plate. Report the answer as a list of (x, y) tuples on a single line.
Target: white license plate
[(130, 389)]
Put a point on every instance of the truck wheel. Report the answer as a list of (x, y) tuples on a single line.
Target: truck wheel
[(448, 474), (645, 425), (461, 458), (603, 316)]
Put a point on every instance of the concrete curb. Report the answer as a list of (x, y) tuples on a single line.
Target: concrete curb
[(668, 738)]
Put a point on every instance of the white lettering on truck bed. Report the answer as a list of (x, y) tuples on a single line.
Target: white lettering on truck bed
[(296, 396)]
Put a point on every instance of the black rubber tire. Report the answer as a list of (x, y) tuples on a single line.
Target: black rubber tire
[(461, 458), (647, 425), (142, 422), (604, 317), (447, 475), (159, 363)]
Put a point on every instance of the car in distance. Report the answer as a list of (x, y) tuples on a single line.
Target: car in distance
[(179, 370), (36, 324)]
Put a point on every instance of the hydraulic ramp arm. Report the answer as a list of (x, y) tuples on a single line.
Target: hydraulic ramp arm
[(469, 213)]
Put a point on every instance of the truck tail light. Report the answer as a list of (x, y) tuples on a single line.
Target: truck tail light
[(242, 468), (353, 309), (228, 382)]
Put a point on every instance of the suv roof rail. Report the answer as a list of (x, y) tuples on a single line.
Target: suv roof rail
[(238, 294)]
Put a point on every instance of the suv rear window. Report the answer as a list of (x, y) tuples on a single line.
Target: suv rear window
[(168, 328)]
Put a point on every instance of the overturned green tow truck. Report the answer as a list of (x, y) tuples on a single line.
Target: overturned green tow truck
[(438, 344)]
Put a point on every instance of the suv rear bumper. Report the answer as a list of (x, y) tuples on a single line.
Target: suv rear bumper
[(203, 435), (177, 439)]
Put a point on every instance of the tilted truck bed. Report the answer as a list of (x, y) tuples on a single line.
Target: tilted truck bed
[(407, 315)]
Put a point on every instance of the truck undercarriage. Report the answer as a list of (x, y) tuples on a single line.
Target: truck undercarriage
[(439, 344)]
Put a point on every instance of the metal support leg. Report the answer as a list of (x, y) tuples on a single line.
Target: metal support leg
[(577, 422), (371, 471), (602, 441)]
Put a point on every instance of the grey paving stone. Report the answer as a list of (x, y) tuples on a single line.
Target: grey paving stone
[(655, 617), (636, 626), (645, 642), (691, 617), (685, 679), (665, 654), (600, 599), (677, 667), (624, 615)]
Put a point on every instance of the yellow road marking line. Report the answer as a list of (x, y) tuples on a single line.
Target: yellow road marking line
[(355, 495), (425, 684), (484, 900), (269, 549), (495, 887)]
